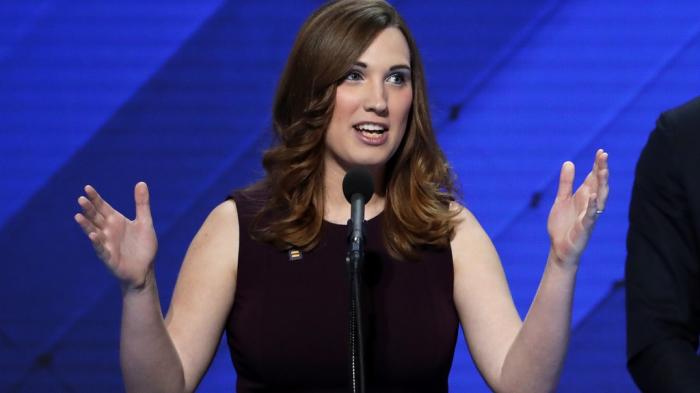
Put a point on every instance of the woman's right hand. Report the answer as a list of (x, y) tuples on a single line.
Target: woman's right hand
[(127, 247)]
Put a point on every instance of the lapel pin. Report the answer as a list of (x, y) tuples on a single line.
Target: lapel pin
[(294, 255)]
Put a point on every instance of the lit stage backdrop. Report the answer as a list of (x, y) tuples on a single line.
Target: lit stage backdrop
[(178, 93)]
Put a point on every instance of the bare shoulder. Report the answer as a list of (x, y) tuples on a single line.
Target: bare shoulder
[(212, 258), (208, 272), (227, 207), (223, 217), (218, 236), (472, 248), (465, 219), (468, 231)]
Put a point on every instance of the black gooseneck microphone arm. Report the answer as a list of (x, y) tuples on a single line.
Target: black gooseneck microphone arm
[(354, 260), (358, 189)]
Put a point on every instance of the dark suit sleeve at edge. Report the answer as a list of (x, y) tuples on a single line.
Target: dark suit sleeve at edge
[(662, 286)]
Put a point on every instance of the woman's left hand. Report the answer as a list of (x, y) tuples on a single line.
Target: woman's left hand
[(572, 217)]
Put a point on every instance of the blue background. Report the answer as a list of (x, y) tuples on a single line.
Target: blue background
[(178, 93)]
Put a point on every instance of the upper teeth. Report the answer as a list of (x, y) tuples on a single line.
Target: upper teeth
[(370, 127)]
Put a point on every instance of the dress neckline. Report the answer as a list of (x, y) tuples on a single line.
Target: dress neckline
[(375, 218)]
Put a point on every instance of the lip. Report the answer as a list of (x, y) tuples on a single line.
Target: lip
[(372, 141), (376, 123)]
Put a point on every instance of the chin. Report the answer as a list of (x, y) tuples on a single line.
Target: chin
[(370, 162)]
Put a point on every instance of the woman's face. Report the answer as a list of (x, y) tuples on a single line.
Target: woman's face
[(372, 104)]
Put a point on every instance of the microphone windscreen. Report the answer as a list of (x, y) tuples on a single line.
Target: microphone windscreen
[(358, 180)]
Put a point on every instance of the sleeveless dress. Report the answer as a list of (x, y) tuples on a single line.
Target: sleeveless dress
[(288, 328)]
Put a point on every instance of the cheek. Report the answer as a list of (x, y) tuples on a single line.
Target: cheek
[(402, 105), (345, 102), (342, 112)]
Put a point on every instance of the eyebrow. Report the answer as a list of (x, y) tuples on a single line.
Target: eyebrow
[(392, 68)]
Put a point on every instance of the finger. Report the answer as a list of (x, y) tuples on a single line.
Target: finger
[(566, 180), (602, 159), (100, 204), (85, 224), (602, 175), (143, 207), (591, 214), (591, 179), (90, 212), (603, 189), (97, 240), (596, 160), (596, 166), (96, 236)]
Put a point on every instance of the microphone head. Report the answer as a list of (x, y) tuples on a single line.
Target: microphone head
[(358, 180)]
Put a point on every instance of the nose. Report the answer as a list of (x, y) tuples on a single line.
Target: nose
[(376, 99)]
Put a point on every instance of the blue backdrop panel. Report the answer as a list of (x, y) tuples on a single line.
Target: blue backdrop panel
[(556, 98), (462, 43), (66, 67), (596, 360), (179, 93), (597, 355), (208, 103), (554, 101)]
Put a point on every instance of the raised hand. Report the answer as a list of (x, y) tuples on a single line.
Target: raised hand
[(572, 217), (127, 247)]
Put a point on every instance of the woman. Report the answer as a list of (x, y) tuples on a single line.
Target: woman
[(267, 263)]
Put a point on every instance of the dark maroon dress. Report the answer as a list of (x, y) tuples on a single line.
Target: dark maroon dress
[(288, 328)]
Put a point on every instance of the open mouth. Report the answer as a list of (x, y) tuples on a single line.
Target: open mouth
[(371, 130)]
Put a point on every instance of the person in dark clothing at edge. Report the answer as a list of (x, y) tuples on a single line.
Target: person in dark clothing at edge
[(352, 94), (663, 257)]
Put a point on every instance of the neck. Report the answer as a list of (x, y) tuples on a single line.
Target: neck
[(336, 208)]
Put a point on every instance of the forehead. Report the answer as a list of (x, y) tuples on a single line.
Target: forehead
[(389, 47)]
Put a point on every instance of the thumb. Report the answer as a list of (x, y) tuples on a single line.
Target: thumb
[(566, 180), (143, 207)]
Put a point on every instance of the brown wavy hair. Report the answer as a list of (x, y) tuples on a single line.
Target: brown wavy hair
[(419, 183)]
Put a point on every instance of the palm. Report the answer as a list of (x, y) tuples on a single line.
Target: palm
[(132, 245), (572, 217), (127, 247)]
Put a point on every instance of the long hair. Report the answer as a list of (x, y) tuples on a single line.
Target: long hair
[(419, 183)]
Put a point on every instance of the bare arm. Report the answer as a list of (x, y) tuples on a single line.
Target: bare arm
[(168, 355), (535, 358), (204, 292), (149, 359), (515, 356)]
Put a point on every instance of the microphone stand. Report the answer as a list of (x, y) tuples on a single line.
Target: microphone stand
[(354, 260)]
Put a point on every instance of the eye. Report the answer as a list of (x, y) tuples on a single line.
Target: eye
[(397, 78), (353, 76)]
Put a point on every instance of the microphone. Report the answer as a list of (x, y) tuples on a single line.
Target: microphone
[(358, 189)]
